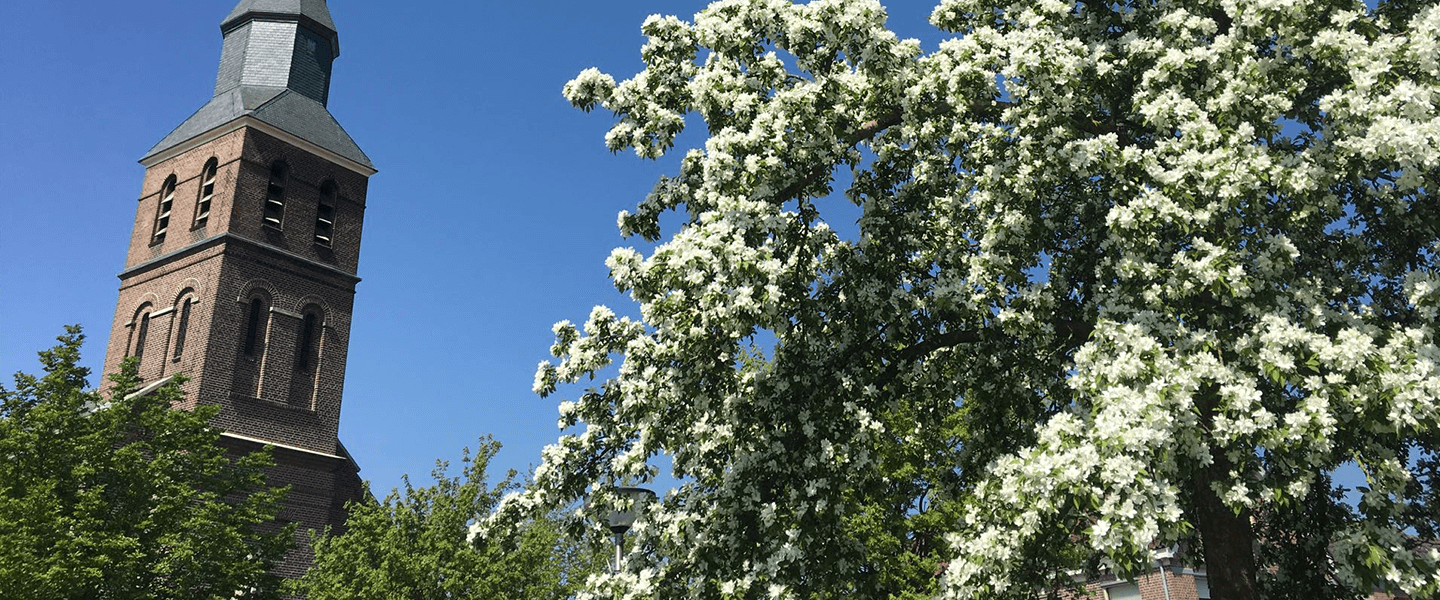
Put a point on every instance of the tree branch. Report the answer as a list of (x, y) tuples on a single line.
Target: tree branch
[(866, 131), (1072, 332), (1068, 330)]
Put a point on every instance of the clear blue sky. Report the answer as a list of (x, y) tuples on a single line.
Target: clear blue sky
[(489, 220)]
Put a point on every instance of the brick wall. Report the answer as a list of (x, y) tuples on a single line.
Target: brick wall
[(1183, 586), (268, 395), (320, 485)]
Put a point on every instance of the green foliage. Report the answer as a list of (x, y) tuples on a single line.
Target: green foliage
[(126, 499), (418, 545), (1293, 537)]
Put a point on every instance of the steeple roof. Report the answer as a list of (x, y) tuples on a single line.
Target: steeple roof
[(274, 68), (282, 108), (312, 10)]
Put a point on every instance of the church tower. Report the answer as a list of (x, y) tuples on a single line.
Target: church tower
[(241, 269)]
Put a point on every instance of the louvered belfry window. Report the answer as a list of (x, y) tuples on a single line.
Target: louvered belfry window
[(325, 214), (275, 196), (162, 212), (207, 192)]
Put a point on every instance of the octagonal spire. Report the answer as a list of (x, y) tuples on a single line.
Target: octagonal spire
[(314, 11), (281, 44), (275, 65)]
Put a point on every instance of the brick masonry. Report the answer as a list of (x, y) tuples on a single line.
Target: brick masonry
[(1184, 585), (267, 395)]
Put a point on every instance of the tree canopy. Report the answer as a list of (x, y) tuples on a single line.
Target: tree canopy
[(1122, 275), (419, 545), (127, 499)]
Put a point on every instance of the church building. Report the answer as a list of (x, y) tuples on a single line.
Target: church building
[(241, 268)]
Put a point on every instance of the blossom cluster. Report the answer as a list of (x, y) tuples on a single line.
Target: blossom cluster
[(1101, 251)]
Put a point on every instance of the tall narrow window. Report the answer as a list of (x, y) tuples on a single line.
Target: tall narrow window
[(304, 358), (182, 327), (325, 214), (142, 331), (207, 191), (275, 196), (162, 212), (252, 327)]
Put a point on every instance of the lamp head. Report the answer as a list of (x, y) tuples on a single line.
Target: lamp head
[(631, 501)]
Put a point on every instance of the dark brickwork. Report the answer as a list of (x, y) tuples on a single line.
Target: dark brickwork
[(319, 487), (266, 395)]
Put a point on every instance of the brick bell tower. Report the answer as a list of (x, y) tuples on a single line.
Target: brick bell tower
[(241, 270)]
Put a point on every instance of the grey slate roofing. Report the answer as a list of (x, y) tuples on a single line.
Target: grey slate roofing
[(315, 10), (285, 108), (282, 107)]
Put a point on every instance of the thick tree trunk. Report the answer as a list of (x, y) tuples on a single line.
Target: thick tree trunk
[(1228, 538)]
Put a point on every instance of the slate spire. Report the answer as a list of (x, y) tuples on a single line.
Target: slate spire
[(274, 68), (311, 10), (278, 43)]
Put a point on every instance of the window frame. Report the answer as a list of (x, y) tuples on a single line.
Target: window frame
[(164, 205), (307, 344), (325, 214), (208, 175), (256, 312), (142, 331), (1129, 587), (275, 196), (182, 324)]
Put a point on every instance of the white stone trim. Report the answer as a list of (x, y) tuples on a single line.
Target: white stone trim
[(291, 314), (150, 389), (278, 445)]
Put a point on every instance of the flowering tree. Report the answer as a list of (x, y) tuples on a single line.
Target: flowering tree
[(1126, 274)]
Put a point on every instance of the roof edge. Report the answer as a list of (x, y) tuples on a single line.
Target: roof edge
[(247, 120)]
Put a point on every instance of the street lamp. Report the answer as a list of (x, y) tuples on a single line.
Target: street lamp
[(622, 516)]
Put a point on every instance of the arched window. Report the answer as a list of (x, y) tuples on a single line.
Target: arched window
[(162, 212), (275, 195), (141, 332), (254, 323), (207, 192), (182, 325), (308, 347), (325, 214), (255, 318)]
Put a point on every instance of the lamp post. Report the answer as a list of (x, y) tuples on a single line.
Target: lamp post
[(621, 517)]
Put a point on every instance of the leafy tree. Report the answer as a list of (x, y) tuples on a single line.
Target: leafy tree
[(126, 499), (419, 546), (1122, 274), (1293, 543)]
